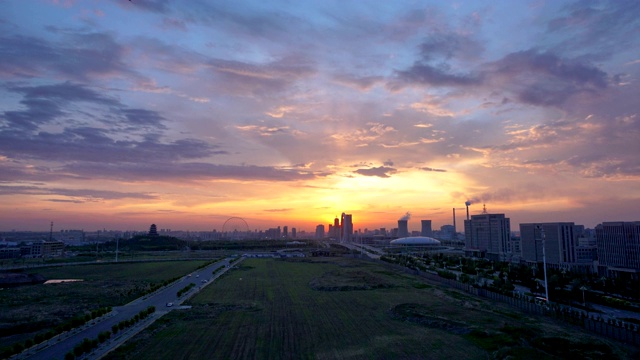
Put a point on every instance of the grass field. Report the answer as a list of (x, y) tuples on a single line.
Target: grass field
[(29, 309), (350, 309)]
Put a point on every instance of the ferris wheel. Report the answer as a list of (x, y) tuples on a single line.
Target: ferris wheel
[(235, 228)]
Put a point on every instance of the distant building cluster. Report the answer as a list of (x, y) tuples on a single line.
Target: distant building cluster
[(612, 249), (32, 249)]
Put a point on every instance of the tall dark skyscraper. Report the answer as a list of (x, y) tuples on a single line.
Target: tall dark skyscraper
[(346, 228)]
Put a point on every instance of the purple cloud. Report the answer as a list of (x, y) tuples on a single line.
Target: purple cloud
[(381, 171), (543, 78)]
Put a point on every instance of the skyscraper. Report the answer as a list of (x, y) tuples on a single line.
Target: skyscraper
[(320, 231), (346, 228)]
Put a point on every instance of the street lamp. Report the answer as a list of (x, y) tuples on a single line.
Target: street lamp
[(583, 288), (544, 262)]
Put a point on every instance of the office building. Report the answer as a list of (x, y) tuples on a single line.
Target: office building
[(488, 236), (619, 248), (560, 243)]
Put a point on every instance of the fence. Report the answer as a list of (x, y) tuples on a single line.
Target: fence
[(618, 330)]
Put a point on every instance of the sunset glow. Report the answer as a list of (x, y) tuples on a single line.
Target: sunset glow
[(119, 114)]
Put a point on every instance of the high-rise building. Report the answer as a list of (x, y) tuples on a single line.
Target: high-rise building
[(426, 228), (336, 229), (488, 235), (560, 243), (285, 232), (346, 228), (403, 228), (619, 247), (293, 233)]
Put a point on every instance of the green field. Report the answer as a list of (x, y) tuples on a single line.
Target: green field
[(351, 309), (29, 309)]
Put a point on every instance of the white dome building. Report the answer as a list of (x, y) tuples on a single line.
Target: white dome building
[(416, 241)]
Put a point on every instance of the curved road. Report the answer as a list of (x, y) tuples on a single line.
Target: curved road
[(159, 299)]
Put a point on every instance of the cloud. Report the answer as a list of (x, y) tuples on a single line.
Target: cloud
[(425, 74), (79, 195), (170, 23), (65, 92), (544, 78), (46, 103), (432, 169), (261, 79), (448, 45), (94, 145), (189, 171), (279, 210), (79, 56), (381, 171), (264, 130), (368, 135), (363, 83), (142, 117), (586, 26)]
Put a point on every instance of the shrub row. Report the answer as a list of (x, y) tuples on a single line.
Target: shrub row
[(207, 264), (185, 289), (128, 323), (87, 345), (75, 322), (154, 287)]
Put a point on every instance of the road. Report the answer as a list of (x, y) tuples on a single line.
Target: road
[(360, 249), (159, 299)]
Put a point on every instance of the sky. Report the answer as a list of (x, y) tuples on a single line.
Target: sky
[(118, 114)]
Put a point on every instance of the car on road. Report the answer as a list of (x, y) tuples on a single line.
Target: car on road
[(169, 304)]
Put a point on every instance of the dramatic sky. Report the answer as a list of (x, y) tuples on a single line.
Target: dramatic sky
[(118, 114)]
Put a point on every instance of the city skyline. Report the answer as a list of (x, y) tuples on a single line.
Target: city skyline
[(121, 114)]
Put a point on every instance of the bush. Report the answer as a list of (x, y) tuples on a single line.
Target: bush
[(77, 351), (18, 348), (69, 356), (38, 338), (447, 274)]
